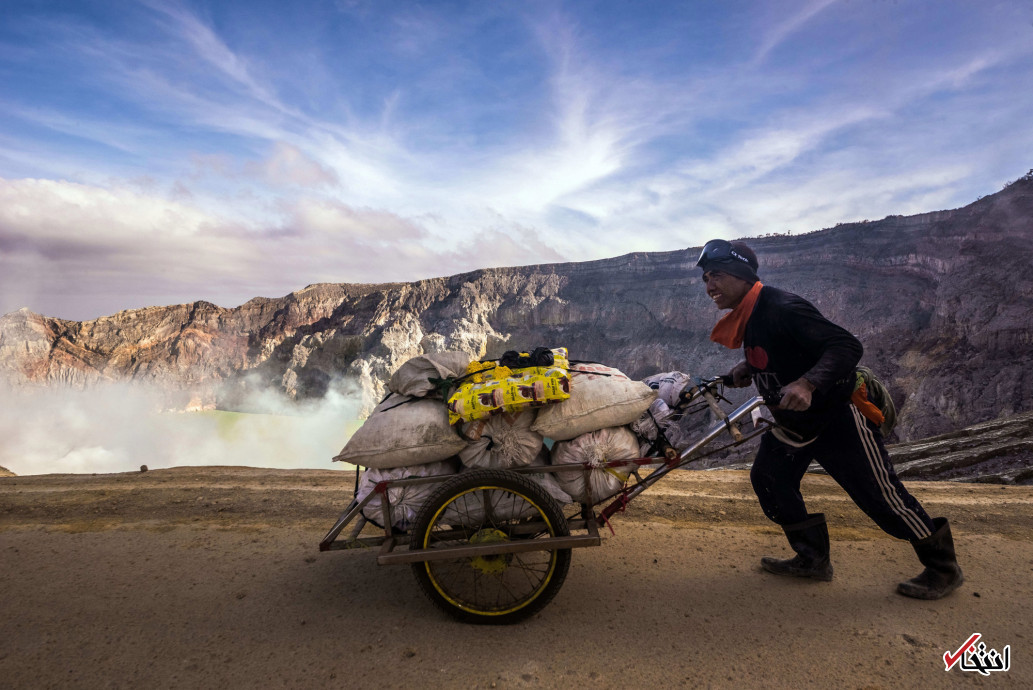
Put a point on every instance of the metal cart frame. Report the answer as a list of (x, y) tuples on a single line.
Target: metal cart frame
[(492, 548)]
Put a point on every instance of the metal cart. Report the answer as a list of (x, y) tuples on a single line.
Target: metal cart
[(492, 546)]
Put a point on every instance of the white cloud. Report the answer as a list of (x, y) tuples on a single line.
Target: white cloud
[(781, 31), (48, 210), (213, 51), (594, 124), (327, 220), (97, 243), (288, 165), (259, 183)]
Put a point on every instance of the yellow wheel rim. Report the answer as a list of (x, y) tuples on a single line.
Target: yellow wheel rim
[(484, 564)]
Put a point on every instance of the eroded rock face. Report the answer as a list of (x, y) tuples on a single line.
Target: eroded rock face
[(999, 451), (942, 301)]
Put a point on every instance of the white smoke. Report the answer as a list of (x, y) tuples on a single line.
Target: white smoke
[(119, 427)]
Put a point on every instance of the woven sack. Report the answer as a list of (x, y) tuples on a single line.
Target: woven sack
[(501, 441), (413, 377), (405, 501), (594, 449), (402, 432), (600, 397)]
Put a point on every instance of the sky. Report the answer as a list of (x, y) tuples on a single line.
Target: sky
[(160, 152)]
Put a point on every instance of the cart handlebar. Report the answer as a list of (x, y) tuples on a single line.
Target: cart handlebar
[(729, 424)]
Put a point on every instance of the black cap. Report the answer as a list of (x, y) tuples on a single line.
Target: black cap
[(733, 258)]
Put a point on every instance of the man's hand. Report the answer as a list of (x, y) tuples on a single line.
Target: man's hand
[(740, 375), (796, 396)]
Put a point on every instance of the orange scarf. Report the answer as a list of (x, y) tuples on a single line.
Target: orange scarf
[(730, 330)]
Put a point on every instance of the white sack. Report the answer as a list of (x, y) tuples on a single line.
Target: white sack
[(652, 419), (660, 417), (669, 385), (501, 441), (600, 397), (595, 448), (402, 432), (548, 479), (413, 377), (405, 501), (468, 509)]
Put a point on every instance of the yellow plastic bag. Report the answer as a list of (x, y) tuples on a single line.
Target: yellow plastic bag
[(492, 389)]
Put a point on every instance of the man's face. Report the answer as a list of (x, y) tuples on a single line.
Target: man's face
[(726, 290)]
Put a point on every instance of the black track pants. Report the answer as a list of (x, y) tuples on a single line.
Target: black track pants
[(852, 452)]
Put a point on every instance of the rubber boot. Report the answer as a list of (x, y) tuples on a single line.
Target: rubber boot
[(942, 575), (810, 540)]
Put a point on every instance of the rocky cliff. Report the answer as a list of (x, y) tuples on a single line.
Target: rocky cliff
[(942, 301), (999, 451)]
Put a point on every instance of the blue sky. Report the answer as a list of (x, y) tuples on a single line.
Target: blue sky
[(160, 152)]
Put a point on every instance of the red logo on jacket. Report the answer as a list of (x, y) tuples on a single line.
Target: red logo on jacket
[(757, 357)]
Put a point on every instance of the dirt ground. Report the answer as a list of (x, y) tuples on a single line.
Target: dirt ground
[(211, 578)]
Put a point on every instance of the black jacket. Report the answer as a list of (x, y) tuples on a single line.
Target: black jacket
[(786, 338)]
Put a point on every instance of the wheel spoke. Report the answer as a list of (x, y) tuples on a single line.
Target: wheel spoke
[(467, 518), (527, 572), (482, 508)]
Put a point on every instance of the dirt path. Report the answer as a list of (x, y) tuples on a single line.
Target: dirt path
[(210, 577)]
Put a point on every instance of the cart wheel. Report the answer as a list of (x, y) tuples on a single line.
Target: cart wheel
[(484, 507)]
